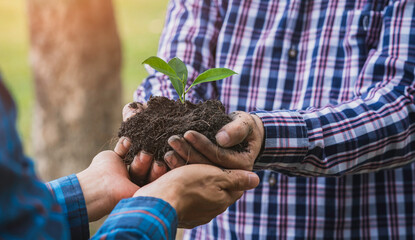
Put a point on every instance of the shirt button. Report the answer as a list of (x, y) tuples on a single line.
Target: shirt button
[(272, 181), (292, 53), (366, 23)]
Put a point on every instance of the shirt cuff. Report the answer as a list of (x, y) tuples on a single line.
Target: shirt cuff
[(68, 193), (141, 217), (286, 139)]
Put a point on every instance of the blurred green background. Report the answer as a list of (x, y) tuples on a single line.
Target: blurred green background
[(139, 24)]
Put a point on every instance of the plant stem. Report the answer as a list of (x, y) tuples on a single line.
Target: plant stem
[(184, 92)]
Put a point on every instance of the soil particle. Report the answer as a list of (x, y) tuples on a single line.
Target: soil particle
[(150, 129)]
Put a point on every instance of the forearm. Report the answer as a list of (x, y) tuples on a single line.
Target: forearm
[(357, 137), (371, 132)]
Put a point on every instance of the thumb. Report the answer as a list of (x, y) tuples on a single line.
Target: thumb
[(240, 180), (236, 131)]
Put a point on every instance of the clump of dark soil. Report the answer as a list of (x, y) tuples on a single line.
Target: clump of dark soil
[(150, 129)]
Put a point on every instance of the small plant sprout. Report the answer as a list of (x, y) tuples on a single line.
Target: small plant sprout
[(176, 70)]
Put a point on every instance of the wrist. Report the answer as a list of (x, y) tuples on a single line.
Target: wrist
[(260, 125), (97, 200), (169, 196)]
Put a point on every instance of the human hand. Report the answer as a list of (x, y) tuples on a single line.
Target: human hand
[(106, 181), (143, 169), (200, 192), (196, 148)]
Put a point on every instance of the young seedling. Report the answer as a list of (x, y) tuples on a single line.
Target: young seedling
[(176, 70)]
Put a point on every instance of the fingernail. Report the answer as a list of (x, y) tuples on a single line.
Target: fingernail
[(144, 157), (160, 164), (253, 180), (169, 159), (167, 156), (126, 142), (189, 136), (173, 138), (222, 138)]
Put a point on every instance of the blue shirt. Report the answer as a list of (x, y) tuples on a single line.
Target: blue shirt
[(30, 209), (333, 82)]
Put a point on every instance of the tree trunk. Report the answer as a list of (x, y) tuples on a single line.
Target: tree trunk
[(75, 56)]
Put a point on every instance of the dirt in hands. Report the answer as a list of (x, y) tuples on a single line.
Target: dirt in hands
[(150, 129)]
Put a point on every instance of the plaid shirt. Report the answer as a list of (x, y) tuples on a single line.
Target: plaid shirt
[(333, 82), (29, 211)]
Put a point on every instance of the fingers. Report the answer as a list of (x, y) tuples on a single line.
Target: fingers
[(174, 160), (157, 170), (130, 109), (122, 146), (239, 180), (140, 168), (236, 131), (200, 192), (186, 151), (215, 154), (234, 195), (144, 170), (127, 112)]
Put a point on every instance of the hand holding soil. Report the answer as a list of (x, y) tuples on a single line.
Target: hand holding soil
[(200, 192), (161, 125), (106, 181), (152, 126), (194, 147), (211, 190), (143, 169)]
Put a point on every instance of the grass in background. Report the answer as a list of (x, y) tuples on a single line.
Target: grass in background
[(139, 23)]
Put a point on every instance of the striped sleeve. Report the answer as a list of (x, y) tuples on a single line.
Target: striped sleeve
[(190, 33), (374, 131), (140, 218), (68, 193), (28, 210)]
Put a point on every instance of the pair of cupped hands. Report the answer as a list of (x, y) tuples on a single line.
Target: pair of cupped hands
[(198, 178)]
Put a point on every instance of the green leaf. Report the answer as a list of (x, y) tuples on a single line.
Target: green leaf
[(161, 66), (213, 74), (180, 68)]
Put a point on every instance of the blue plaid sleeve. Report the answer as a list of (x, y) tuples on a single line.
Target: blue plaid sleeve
[(140, 218), (27, 209), (68, 193)]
